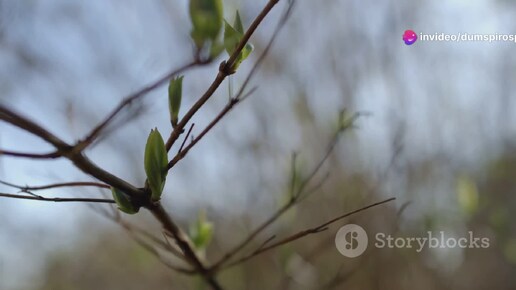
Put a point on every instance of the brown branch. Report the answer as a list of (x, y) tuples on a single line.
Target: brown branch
[(304, 233), (231, 61), (267, 49), (183, 243), (154, 252), (78, 159), (51, 155), (230, 254), (56, 185), (186, 138), (56, 199), (135, 233), (181, 154)]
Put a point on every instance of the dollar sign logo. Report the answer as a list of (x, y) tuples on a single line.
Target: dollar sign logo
[(351, 240)]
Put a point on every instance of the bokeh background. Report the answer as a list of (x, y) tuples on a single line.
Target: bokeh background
[(439, 136)]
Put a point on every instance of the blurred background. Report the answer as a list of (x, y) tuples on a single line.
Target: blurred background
[(439, 136)]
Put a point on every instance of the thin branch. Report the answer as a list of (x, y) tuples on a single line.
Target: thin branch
[(304, 233), (17, 120), (265, 52), (56, 199), (252, 235), (130, 99), (51, 155), (229, 64), (186, 138), (180, 155), (78, 159), (184, 244), (155, 252), (165, 245), (55, 185)]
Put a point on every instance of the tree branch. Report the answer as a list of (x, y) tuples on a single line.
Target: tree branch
[(183, 243), (51, 155), (130, 99), (56, 199), (65, 150), (56, 185), (304, 233)]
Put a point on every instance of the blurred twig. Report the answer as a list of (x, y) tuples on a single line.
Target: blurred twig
[(304, 233), (51, 155), (56, 199), (133, 98), (55, 185)]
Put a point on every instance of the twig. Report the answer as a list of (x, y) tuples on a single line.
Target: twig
[(268, 47), (228, 64), (155, 252), (186, 138), (130, 99), (56, 185), (51, 155), (183, 242), (57, 199), (180, 155), (79, 160), (305, 233)]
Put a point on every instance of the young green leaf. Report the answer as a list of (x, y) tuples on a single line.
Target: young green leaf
[(201, 232), (206, 17), (123, 201), (246, 51), (175, 92), (155, 162), (231, 38), (216, 49), (238, 23)]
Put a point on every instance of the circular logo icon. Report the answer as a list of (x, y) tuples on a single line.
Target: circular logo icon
[(409, 37), (351, 240)]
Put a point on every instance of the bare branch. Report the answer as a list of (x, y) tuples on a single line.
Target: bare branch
[(305, 233), (182, 153), (182, 241), (150, 248), (130, 99), (186, 138), (51, 155), (261, 58), (56, 185), (79, 160), (56, 199)]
